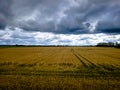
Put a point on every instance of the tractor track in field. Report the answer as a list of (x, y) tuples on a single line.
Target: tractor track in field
[(87, 60), (80, 57), (104, 54)]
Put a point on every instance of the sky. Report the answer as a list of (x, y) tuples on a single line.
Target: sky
[(59, 22)]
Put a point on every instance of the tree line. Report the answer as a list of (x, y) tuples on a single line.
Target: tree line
[(108, 44)]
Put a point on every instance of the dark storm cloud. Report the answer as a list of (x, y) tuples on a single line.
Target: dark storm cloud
[(5, 12), (62, 16)]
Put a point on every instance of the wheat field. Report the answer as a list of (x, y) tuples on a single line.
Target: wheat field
[(82, 68)]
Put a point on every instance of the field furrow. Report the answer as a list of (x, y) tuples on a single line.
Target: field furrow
[(78, 58), (95, 57), (56, 67)]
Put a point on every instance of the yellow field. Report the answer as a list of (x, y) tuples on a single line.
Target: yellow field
[(57, 55), (59, 67)]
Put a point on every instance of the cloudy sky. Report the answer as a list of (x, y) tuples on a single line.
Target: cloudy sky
[(59, 22)]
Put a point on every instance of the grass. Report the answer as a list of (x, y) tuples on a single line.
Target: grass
[(82, 68), (58, 82)]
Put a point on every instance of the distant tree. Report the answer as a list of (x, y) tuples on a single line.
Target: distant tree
[(104, 44), (117, 45), (16, 44)]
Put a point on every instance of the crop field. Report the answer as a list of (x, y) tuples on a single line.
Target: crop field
[(69, 68)]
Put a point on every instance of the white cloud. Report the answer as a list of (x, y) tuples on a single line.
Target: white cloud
[(18, 36)]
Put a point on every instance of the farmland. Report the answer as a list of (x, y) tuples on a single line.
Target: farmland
[(60, 68)]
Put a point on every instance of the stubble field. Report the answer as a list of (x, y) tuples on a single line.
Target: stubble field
[(82, 68)]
